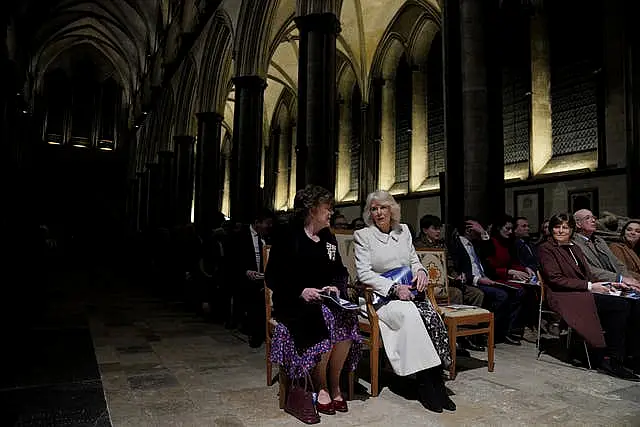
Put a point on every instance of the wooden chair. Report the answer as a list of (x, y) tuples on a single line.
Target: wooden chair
[(457, 320), (271, 323), (367, 319), (543, 309)]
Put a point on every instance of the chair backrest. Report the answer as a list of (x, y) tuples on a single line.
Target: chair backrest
[(434, 261), (268, 294), (346, 247)]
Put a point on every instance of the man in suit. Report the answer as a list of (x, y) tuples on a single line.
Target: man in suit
[(248, 275), (602, 262), (526, 252), (467, 243)]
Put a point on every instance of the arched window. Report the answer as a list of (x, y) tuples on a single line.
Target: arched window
[(435, 109), (403, 100)]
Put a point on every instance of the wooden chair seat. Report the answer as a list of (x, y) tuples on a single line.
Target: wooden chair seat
[(435, 262)]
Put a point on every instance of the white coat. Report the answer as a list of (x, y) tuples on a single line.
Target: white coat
[(406, 341)]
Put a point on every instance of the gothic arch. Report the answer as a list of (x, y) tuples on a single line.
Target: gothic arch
[(216, 63), (186, 97), (252, 38)]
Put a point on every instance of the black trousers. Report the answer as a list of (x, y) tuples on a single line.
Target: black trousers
[(614, 313), (256, 309)]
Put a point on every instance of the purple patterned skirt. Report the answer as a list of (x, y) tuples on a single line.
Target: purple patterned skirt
[(342, 326)]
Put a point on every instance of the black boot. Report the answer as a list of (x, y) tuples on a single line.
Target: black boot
[(445, 400), (428, 393)]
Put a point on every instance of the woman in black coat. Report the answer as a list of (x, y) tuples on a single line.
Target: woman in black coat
[(311, 337)]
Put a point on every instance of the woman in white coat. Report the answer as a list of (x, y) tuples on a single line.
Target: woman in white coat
[(415, 338)]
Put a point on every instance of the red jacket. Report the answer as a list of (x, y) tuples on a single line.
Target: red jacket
[(501, 261)]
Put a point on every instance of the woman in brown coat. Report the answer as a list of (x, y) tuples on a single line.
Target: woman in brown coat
[(625, 249), (584, 305)]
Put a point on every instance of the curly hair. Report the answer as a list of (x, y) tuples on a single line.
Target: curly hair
[(310, 197), (385, 199)]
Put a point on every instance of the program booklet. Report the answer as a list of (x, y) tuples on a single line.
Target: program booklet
[(334, 299)]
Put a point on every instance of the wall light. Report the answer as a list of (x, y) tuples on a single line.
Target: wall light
[(53, 143)]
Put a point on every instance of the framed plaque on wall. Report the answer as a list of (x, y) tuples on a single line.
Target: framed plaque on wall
[(584, 199), (530, 204)]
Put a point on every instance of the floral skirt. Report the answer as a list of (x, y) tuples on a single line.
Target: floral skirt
[(437, 331), (342, 326)]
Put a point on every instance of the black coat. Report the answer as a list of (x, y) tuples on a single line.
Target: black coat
[(296, 263)]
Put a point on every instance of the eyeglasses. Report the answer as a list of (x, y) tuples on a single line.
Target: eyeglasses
[(588, 218)]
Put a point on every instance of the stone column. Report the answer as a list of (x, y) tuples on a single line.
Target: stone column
[(632, 83), (271, 167), (541, 144), (293, 165), (419, 130), (166, 203), (153, 193), (317, 99), (183, 178), (473, 110), (133, 211), (208, 164), (143, 200), (246, 153), (343, 175), (615, 50), (282, 172), (387, 165)]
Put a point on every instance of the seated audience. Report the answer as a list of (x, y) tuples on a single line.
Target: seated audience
[(358, 224), (245, 255), (500, 255), (624, 249), (525, 251), (602, 262), (469, 238), (311, 337), (585, 304), (503, 265), (458, 292), (414, 336), (544, 232), (340, 222)]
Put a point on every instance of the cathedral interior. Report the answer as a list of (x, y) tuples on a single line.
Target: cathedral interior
[(124, 119)]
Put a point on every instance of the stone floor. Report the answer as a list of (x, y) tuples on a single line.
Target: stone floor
[(161, 366)]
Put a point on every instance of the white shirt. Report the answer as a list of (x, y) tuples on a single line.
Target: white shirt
[(256, 246), (476, 267)]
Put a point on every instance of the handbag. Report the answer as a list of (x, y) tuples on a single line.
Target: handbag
[(300, 402)]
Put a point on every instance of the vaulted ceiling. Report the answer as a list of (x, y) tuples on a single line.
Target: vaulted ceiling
[(122, 32)]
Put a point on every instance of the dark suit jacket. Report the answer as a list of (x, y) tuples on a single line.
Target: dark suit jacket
[(461, 258), (242, 257), (567, 289)]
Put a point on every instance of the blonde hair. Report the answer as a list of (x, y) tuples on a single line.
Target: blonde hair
[(385, 199)]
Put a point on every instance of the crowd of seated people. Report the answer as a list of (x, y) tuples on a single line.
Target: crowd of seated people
[(494, 266)]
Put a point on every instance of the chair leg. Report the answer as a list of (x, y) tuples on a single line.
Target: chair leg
[(374, 354), (539, 326), (283, 383), (453, 329), (586, 351), (490, 344), (352, 383), (267, 350)]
